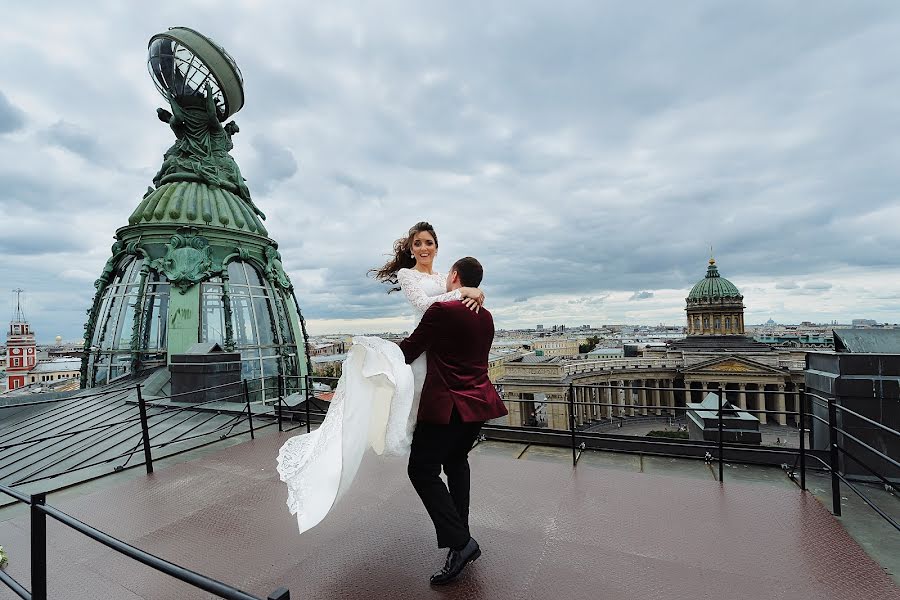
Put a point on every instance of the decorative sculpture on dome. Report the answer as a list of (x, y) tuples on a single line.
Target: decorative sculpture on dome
[(274, 268), (188, 259), (203, 87)]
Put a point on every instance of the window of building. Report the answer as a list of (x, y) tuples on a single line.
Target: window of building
[(111, 342), (15, 362), (254, 324)]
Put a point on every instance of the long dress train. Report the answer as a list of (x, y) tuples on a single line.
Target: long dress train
[(374, 406)]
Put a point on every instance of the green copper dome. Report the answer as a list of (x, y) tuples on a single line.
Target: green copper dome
[(195, 263), (713, 286)]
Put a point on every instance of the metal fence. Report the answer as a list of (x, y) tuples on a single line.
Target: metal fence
[(153, 414), (719, 451), (39, 510)]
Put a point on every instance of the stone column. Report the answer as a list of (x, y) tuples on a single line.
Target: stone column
[(605, 397), (589, 404), (588, 407), (688, 393), (780, 404), (670, 396), (742, 396), (761, 402), (628, 397), (642, 397), (657, 399), (576, 403)]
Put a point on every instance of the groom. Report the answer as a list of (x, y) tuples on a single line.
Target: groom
[(457, 398)]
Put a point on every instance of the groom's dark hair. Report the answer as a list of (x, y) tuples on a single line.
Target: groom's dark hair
[(469, 270)]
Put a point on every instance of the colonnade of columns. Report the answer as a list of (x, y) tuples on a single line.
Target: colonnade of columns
[(750, 396), (652, 397), (636, 397)]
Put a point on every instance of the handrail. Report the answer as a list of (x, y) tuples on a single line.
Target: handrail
[(877, 453), (15, 586), (40, 510), (15, 494), (186, 575), (844, 409)]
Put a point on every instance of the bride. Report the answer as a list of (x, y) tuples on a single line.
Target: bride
[(377, 396)]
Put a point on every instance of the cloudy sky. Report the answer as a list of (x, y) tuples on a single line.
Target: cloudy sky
[(589, 153)]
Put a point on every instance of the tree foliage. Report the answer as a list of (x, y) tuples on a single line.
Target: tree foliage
[(590, 345)]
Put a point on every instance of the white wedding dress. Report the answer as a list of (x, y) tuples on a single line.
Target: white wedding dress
[(374, 406)]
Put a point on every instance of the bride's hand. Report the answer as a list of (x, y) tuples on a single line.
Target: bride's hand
[(473, 298)]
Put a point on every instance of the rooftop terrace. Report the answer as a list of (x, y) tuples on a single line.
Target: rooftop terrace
[(615, 527)]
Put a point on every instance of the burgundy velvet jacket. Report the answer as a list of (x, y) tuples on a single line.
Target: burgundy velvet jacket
[(457, 341)]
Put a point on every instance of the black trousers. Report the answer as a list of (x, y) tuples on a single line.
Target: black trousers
[(444, 446)]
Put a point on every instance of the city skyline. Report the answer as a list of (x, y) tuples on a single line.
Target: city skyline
[(600, 150)]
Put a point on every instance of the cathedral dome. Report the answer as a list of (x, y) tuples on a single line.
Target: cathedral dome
[(715, 306), (713, 286)]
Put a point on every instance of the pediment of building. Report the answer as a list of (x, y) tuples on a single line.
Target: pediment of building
[(731, 364)]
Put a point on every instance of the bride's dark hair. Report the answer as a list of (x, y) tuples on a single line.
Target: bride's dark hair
[(402, 258)]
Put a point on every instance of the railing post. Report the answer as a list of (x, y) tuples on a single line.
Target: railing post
[(249, 412), (572, 422), (833, 456), (308, 381), (280, 396), (801, 400), (280, 594), (145, 430), (721, 441), (38, 548)]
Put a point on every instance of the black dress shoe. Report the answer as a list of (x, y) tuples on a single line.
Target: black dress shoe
[(456, 562)]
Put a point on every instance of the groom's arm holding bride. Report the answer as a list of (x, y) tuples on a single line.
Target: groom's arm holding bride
[(428, 331)]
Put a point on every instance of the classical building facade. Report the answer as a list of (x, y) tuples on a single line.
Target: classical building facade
[(558, 346), (715, 355)]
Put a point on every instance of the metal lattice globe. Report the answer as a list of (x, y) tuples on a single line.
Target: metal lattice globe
[(182, 62)]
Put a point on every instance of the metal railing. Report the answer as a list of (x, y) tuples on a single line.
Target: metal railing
[(78, 407), (39, 510), (836, 449), (718, 450), (579, 439), (623, 412), (92, 430)]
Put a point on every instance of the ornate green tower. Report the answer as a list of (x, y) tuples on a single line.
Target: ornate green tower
[(195, 262)]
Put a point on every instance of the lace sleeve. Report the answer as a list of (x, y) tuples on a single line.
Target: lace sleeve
[(411, 284)]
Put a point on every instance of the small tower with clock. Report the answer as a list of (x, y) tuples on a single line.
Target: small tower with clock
[(20, 346)]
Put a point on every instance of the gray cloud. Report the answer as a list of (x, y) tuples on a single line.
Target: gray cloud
[(274, 163), (359, 186), (11, 117), (75, 139), (579, 153), (641, 295)]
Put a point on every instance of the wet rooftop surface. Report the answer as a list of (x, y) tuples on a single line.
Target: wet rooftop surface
[(617, 527)]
